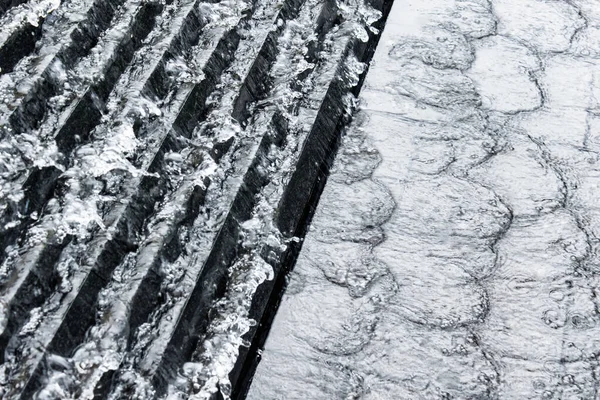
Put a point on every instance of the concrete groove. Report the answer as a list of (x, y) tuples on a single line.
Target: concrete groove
[(148, 151)]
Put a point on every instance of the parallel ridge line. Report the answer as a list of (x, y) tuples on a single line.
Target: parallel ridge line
[(169, 45), (123, 41), (264, 197), (180, 208), (188, 144), (71, 318), (25, 93), (295, 207), (74, 32), (168, 351), (32, 269), (183, 23), (73, 123), (138, 17), (270, 193)]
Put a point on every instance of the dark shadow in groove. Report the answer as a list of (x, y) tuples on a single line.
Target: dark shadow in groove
[(243, 373), (19, 45)]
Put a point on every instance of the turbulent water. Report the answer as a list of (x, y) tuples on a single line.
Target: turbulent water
[(160, 162), (454, 253), (157, 161)]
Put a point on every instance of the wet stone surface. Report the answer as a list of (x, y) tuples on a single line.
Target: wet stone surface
[(454, 252)]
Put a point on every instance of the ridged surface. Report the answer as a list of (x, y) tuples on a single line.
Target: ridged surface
[(455, 251), (158, 161)]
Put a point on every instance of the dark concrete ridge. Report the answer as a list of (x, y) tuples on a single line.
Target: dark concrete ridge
[(158, 257)]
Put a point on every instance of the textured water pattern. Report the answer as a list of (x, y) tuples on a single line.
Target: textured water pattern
[(157, 159), (455, 253)]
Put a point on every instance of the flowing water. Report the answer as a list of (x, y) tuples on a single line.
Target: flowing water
[(454, 253)]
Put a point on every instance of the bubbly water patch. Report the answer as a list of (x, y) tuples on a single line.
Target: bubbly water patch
[(484, 116), (362, 16), (110, 156), (98, 174), (18, 153), (215, 358), (221, 347), (27, 13)]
